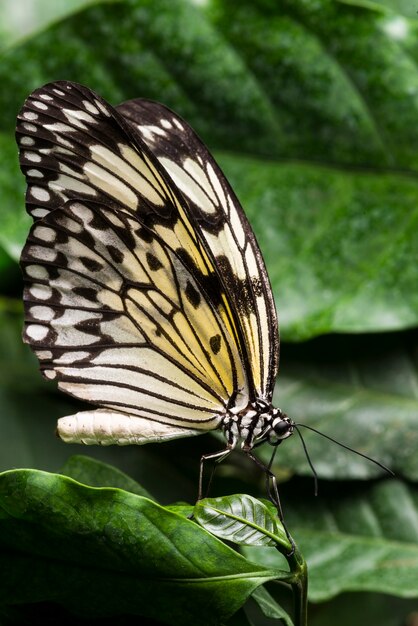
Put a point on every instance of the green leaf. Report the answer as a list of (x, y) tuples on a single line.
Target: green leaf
[(360, 538), (242, 519), (95, 473), (104, 552), (311, 108), (270, 607)]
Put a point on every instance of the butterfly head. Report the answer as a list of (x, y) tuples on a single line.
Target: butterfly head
[(280, 427)]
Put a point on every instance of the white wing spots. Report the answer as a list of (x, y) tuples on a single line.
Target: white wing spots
[(199, 175), (71, 357), (29, 127), (218, 190), (34, 174), (40, 105), (44, 96), (42, 313), (65, 183), (224, 240), (39, 193), (166, 123), (115, 220), (236, 227), (32, 156), (148, 131), (27, 141), (47, 255), (60, 127), (71, 225), (43, 355), (39, 212), (76, 117), (59, 92), (146, 170), (45, 233), (50, 374), (251, 263), (70, 336), (178, 123), (89, 106), (37, 271), (66, 169), (36, 332), (187, 182), (30, 115), (83, 212), (72, 317), (102, 108)]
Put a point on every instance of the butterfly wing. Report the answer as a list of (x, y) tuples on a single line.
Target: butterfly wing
[(123, 305), (222, 224)]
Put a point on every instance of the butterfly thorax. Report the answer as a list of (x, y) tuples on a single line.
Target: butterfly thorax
[(257, 423)]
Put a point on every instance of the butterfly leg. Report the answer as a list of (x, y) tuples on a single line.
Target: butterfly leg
[(273, 494), (217, 457)]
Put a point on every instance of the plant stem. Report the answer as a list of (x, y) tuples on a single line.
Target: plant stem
[(298, 580)]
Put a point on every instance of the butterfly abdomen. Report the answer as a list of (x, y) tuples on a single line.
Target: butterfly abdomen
[(104, 427)]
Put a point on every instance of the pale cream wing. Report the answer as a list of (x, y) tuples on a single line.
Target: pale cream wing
[(225, 230)]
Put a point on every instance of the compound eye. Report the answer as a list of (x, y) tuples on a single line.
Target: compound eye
[(281, 427)]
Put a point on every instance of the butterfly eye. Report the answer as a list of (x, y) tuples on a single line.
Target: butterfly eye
[(282, 428)]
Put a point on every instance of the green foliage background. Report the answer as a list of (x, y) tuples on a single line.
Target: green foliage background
[(311, 108)]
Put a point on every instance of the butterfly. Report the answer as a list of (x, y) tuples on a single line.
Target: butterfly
[(145, 293)]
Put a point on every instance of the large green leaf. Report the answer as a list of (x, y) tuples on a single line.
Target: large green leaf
[(268, 85), (105, 551), (358, 538)]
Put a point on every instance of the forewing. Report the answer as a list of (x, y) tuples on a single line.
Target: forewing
[(123, 305), (224, 228)]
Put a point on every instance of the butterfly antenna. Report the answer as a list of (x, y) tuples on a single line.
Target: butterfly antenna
[(272, 458), (308, 458), (318, 432)]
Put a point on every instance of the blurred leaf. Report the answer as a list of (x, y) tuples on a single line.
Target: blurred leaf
[(19, 18), (361, 391), (339, 245), (332, 83), (366, 539), (116, 553), (242, 519), (365, 609)]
